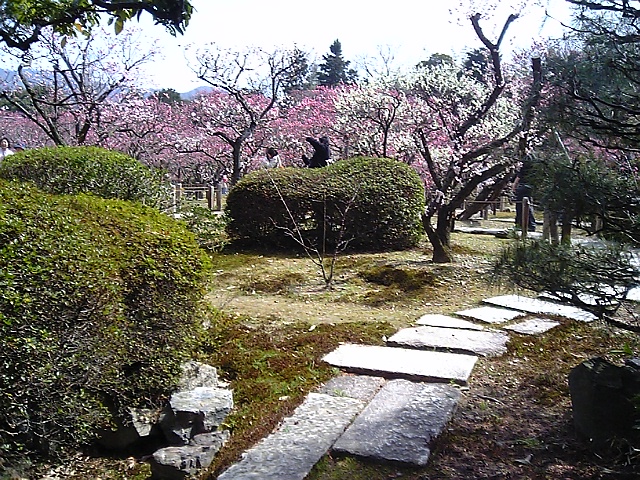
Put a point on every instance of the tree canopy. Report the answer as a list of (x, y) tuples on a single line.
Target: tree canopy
[(22, 21), (335, 69)]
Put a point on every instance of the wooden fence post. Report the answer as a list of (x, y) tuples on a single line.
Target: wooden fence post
[(525, 217)]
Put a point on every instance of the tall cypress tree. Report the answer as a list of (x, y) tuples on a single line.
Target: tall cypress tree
[(335, 69)]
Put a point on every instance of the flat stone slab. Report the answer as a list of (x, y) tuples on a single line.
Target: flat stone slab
[(438, 320), (397, 362), (634, 294), (360, 387), (533, 326), (303, 438), (534, 305), (481, 231), (490, 314), (485, 344), (401, 422)]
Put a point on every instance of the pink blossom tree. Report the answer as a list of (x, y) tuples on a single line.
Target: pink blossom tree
[(65, 83), (464, 129), (249, 87)]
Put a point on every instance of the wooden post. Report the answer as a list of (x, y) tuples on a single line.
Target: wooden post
[(177, 196), (219, 197), (209, 192), (525, 217), (485, 213)]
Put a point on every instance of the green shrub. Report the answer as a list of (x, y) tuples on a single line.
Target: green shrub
[(97, 306), (208, 225), (106, 173), (375, 203)]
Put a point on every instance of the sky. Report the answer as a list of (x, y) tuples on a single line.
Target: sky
[(410, 30)]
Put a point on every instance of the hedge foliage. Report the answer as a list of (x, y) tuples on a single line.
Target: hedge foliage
[(97, 306), (106, 173), (375, 203)]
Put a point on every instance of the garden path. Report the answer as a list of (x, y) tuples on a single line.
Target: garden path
[(391, 402)]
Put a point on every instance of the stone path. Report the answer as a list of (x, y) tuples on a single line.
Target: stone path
[(393, 401)]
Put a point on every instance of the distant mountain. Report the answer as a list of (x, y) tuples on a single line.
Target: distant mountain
[(191, 94), (10, 78)]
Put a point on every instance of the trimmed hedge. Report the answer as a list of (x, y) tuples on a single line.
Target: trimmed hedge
[(106, 173), (377, 200), (97, 305)]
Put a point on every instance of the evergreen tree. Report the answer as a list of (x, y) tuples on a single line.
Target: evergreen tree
[(168, 95), (335, 69)]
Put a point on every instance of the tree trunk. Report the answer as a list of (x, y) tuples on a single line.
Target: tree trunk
[(490, 194), (565, 238), (440, 236)]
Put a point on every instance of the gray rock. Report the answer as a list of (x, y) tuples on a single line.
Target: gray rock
[(490, 314), (534, 305), (196, 374), (403, 362), (291, 452), (533, 326), (437, 320), (139, 426), (176, 463), (602, 397), (360, 387), (195, 411), (485, 343), (401, 422)]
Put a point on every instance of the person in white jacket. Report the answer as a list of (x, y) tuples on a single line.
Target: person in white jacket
[(5, 151), (272, 160)]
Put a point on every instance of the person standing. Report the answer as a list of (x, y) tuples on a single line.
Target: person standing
[(5, 151), (321, 153), (522, 188)]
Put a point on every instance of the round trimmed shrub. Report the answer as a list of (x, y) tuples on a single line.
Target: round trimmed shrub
[(97, 305), (356, 204), (106, 173)]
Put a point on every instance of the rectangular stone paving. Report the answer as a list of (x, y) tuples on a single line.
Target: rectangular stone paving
[(403, 362), (533, 326), (303, 438), (401, 422), (534, 305), (484, 343), (361, 387), (438, 320), (490, 314)]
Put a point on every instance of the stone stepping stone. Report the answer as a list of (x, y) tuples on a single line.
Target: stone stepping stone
[(401, 422), (485, 344), (360, 387), (403, 363), (481, 231), (303, 438), (533, 326), (534, 305), (438, 320), (490, 314)]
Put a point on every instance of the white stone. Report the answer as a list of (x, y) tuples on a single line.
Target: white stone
[(403, 362)]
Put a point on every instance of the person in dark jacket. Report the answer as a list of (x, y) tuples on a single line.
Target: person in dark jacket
[(321, 153)]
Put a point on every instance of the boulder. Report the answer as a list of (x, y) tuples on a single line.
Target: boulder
[(196, 411), (177, 463), (140, 425), (602, 397)]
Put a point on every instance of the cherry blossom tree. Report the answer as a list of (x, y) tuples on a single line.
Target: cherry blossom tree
[(254, 81), (374, 117), (463, 127), (65, 84)]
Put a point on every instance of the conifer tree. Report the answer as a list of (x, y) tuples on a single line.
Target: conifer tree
[(335, 69)]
